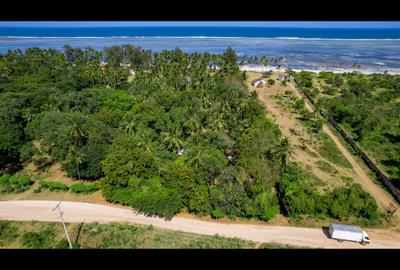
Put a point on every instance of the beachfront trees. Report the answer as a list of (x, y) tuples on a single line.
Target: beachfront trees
[(264, 60), (229, 62)]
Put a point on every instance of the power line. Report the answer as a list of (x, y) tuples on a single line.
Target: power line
[(63, 222)]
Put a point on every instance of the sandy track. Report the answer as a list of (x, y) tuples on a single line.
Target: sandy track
[(88, 212)]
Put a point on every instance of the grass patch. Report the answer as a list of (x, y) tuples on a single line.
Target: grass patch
[(347, 180), (278, 246), (116, 235), (41, 239), (311, 178), (326, 167), (328, 150), (8, 233), (22, 234)]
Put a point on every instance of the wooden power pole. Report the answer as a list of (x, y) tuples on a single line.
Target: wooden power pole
[(63, 223)]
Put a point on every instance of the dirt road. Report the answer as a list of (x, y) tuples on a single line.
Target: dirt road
[(382, 197), (88, 212)]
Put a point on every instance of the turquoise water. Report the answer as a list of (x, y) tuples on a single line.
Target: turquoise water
[(303, 48)]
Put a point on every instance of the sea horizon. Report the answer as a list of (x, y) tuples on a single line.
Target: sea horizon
[(375, 50)]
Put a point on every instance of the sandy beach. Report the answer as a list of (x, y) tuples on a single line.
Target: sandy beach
[(260, 68)]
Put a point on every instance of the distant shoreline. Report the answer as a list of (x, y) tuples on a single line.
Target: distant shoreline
[(260, 69)]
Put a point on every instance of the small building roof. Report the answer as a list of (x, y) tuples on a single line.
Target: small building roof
[(257, 80)]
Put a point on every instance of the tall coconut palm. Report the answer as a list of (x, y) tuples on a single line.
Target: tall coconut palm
[(281, 152), (76, 157), (171, 141), (77, 131), (264, 61), (216, 121), (192, 124), (194, 158)]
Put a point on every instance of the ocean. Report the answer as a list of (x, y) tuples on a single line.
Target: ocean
[(376, 50)]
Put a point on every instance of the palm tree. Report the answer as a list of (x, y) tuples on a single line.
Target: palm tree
[(130, 127), (264, 61), (281, 151), (195, 159), (76, 130), (216, 121), (192, 124), (76, 157), (171, 141)]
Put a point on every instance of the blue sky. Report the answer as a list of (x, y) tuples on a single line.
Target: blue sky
[(311, 24)]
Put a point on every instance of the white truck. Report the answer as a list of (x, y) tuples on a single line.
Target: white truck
[(343, 232)]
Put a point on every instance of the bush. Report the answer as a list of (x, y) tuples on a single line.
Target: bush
[(299, 198), (8, 233), (299, 104), (271, 82), (4, 179), (37, 190), (84, 188), (154, 199), (53, 186), (15, 183), (41, 239), (266, 206), (304, 78), (22, 181), (352, 201), (217, 214)]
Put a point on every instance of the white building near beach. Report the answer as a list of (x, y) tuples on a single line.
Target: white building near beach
[(259, 82)]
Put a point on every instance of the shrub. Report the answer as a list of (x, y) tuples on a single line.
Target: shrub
[(271, 82), (84, 188), (154, 199), (37, 190), (217, 214), (53, 186), (8, 233), (15, 183), (266, 206), (4, 179), (41, 239), (299, 104), (24, 181), (298, 198)]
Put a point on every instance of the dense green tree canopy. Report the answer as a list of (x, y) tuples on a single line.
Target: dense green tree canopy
[(184, 134)]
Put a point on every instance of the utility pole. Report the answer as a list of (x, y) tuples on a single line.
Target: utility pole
[(63, 222)]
